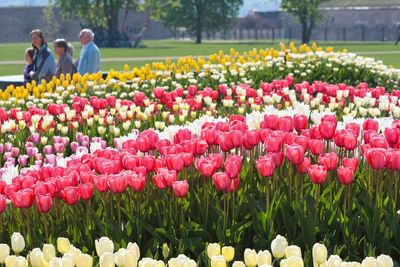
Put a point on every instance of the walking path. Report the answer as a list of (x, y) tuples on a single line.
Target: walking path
[(130, 59)]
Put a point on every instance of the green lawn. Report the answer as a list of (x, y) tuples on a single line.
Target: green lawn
[(165, 48)]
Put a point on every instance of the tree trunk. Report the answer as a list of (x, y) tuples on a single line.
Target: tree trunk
[(112, 12), (199, 23), (304, 34)]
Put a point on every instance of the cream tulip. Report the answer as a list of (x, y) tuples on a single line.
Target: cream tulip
[(238, 264), (104, 245), (218, 261), (278, 246), (17, 242), (319, 253), (119, 257), (134, 247), (213, 249), (384, 261), (264, 257), (55, 262), (131, 258), (11, 261), (35, 257), (63, 245), (228, 252), (107, 260), (369, 262), (49, 251), (295, 261), (250, 257), (4, 253), (190, 263), (21, 262), (174, 262), (334, 261), (84, 260), (68, 260), (292, 251)]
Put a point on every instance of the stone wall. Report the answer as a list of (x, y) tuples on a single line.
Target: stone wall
[(17, 22)]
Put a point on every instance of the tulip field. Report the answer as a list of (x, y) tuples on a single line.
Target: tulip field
[(286, 157)]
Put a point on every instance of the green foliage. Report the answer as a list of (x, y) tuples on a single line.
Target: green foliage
[(306, 11), (196, 16)]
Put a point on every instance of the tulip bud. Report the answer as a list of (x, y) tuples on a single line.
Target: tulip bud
[(68, 261), (190, 263), (334, 261), (264, 257), (292, 251), (135, 248), (250, 257), (4, 253), (49, 251), (107, 260), (63, 245), (174, 262), (228, 252), (165, 250), (84, 260), (213, 249), (319, 253), (17, 242), (278, 246), (369, 262)]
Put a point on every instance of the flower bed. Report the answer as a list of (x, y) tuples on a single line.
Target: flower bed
[(235, 159)]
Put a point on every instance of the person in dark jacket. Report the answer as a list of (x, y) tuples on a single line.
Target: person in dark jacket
[(65, 64), (44, 63), (29, 54)]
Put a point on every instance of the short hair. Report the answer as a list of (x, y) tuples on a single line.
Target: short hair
[(61, 43), (30, 52), (40, 34), (87, 32)]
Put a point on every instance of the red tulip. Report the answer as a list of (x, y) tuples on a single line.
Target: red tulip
[(277, 158), (221, 181), (100, 182), (351, 163), (392, 135), (200, 147), (330, 118), (233, 165), (117, 183), (234, 139), (86, 190), (210, 136), (175, 162), (370, 125), (23, 198), (251, 138), (44, 203), (218, 160), (285, 124), (315, 132), (345, 175), (328, 160), (159, 181), (300, 122), (180, 188), (137, 182), (273, 144), (327, 130), (317, 174), (3, 203), (206, 166), (378, 141), (265, 166), (182, 135), (70, 195), (271, 121), (295, 154), (234, 185), (302, 140), (376, 157), (130, 162), (354, 127), (349, 140), (303, 167), (167, 176), (316, 146)]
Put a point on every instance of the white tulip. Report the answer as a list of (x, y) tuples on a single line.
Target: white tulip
[(292, 251), (17, 242), (213, 249), (278, 246), (384, 261), (264, 257), (104, 245), (295, 261), (319, 253), (55, 262), (63, 244), (369, 262), (49, 251), (4, 253), (250, 257), (107, 260), (134, 247)]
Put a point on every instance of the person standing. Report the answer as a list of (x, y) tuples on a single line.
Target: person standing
[(29, 54), (89, 60), (44, 63), (65, 64)]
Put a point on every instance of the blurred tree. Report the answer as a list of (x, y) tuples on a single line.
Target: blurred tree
[(51, 24), (196, 16), (306, 12), (100, 15)]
